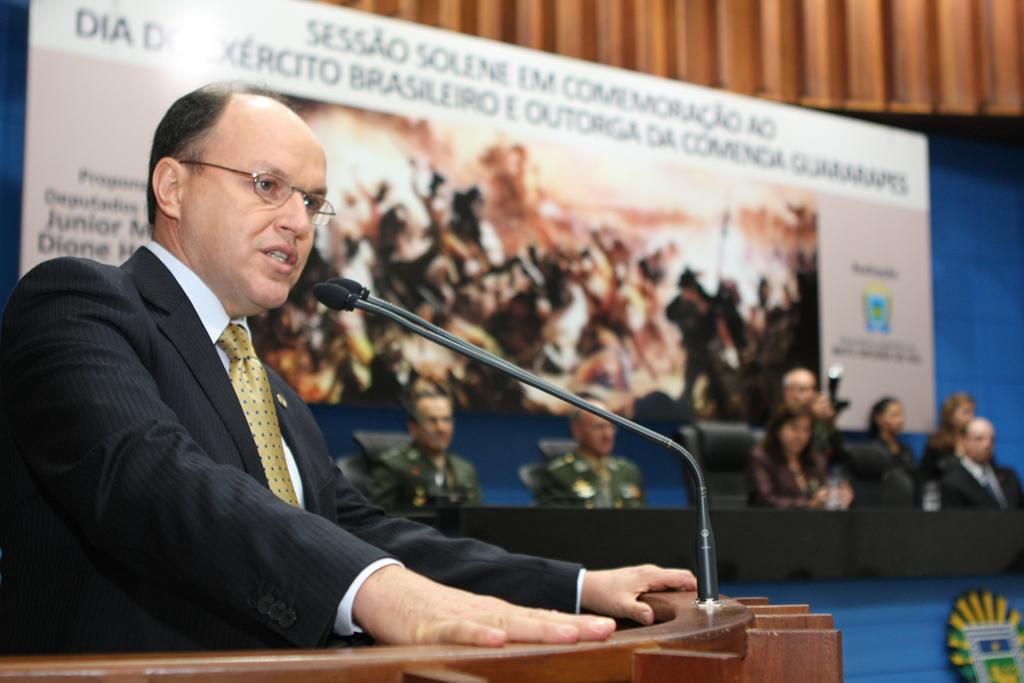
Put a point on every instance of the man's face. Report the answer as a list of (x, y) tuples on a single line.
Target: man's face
[(979, 440), (594, 435), (800, 390), (249, 252), (434, 425)]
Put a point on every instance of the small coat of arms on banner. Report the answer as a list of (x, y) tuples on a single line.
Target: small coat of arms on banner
[(985, 639), (877, 308)]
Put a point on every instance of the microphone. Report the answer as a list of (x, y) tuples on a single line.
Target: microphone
[(344, 294), (835, 375)]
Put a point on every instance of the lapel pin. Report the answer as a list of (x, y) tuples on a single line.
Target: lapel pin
[(280, 399)]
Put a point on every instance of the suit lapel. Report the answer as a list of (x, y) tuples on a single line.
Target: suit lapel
[(180, 323), (1008, 483), (978, 492)]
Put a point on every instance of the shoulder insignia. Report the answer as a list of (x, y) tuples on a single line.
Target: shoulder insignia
[(559, 463)]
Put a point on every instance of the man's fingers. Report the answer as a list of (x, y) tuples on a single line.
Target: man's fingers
[(643, 614), (596, 628), (463, 632), (493, 629), (675, 578), (556, 627), (523, 628)]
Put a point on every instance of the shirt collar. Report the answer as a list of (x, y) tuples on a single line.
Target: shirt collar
[(977, 470), (209, 308)]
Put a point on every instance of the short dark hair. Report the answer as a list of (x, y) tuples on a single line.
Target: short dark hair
[(418, 390), (183, 128)]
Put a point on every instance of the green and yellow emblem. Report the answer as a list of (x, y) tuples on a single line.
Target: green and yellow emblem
[(985, 639)]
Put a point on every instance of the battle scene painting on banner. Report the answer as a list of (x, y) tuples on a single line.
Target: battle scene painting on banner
[(665, 290)]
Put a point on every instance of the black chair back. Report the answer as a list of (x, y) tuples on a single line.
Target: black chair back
[(722, 449), (356, 468), (551, 448), (898, 489), (876, 479), (868, 461), (374, 443), (528, 476)]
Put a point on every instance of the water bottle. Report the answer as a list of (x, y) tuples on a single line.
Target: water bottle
[(931, 496), (834, 491)]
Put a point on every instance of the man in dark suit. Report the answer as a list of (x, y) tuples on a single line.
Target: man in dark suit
[(163, 491), (976, 482)]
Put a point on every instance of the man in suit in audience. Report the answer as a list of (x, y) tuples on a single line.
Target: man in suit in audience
[(800, 392), (425, 473), (591, 476), (976, 482), (167, 492)]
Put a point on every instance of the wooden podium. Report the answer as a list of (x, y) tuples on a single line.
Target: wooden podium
[(745, 639)]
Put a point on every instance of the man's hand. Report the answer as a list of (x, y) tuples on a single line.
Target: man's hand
[(615, 591), (823, 409), (399, 607)]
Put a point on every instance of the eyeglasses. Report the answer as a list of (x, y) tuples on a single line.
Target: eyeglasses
[(275, 191)]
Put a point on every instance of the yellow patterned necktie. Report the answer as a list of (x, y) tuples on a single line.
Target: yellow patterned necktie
[(249, 379)]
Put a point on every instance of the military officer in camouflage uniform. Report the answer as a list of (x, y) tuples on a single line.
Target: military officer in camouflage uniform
[(424, 473), (591, 476)]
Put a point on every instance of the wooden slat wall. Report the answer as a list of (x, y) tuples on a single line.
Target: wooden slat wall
[(824, 55), (917, 56), (866, 50), (696, 42), (914, 65), (780, 50)]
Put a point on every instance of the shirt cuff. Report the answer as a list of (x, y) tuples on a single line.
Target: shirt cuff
[(579, 588), (343, 624)]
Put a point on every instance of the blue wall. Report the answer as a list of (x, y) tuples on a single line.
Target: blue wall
[(13, 57), (978, 276), (892, 630)]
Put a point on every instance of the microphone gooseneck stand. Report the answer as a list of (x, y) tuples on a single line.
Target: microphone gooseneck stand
[(345, 295)]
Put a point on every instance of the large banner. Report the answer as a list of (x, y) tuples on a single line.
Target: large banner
[(667, 248)]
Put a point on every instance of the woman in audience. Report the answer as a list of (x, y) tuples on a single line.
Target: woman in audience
[(884, 427), (786, 472), (943, 446)]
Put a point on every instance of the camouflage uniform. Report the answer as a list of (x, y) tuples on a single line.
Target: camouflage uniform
[(571, 481), (404, 479)]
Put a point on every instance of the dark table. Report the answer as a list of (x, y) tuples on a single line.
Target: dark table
[(763, 545)]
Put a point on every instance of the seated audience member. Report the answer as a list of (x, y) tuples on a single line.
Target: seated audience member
[(800, 393), (591, 476), (943, 447), (975, 482), (425, 473), (785, 471), (885, 426)]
